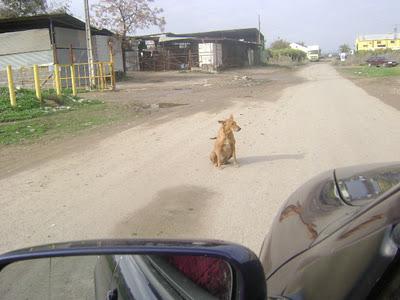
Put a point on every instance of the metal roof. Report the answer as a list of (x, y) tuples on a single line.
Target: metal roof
[(384, 36), (245, 35), (43, 21), (230, 33), (163, 39)]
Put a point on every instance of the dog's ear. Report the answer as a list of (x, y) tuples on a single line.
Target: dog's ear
[(221, 121), (231, 117)]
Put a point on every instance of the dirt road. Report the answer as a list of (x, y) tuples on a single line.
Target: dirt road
[(155, 180)]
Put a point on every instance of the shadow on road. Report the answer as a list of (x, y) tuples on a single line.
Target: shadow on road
[(262, 158), (177, 211)]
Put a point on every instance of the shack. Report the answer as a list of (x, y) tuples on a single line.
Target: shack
[(213, 50), (49, 39)]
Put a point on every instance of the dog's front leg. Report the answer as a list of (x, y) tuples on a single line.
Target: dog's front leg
[(235, 162), (219, 160)]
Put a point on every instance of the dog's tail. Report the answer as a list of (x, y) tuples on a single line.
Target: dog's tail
[(213, 138)]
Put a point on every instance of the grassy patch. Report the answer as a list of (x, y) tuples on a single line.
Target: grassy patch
[(17, 132), (54, 117), (60, 124), (366, 71), (28, 107)]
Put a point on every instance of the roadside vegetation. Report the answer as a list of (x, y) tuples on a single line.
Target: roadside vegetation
[(54, 117), (365, 71), (356, 65), (360, 57), (280, 53)]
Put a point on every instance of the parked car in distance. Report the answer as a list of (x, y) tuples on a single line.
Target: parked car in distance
[(381, 61)]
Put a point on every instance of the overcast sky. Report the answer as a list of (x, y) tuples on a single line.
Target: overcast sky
[(328, 23)]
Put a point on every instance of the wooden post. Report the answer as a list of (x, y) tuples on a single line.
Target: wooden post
[(168, 61), (190, 59), (71, 54), (13, 99), (101, 75), (112, 67), (73, 80), (37, 82), (57, 79)]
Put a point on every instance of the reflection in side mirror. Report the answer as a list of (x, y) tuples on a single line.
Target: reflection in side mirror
[(49, 278), (118, 277)]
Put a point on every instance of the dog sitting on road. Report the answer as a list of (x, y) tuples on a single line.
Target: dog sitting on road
[(225, 144)]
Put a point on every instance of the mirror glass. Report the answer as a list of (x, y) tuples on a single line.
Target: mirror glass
[(115, 277)]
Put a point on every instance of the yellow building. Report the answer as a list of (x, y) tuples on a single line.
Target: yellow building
[(378, 41)]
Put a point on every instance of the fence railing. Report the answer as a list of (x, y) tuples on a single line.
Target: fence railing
[(95, 76)]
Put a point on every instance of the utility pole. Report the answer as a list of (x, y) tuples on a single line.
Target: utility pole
[(89, 43)]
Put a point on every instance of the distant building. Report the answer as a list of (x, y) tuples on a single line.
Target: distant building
[(210, 50), (313, 52), (374, 42), (299, 47)]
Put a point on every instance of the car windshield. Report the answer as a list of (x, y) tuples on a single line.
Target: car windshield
[(188, 119)]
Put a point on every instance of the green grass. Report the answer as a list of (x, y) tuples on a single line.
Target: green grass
[(61, 124), (366, 71), (54, 117), (28, 107)]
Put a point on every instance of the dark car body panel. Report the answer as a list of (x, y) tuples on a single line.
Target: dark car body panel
[(313, 210), (345, 259)]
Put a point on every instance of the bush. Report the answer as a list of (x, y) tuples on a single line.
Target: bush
[(287, 55), (280, 44)]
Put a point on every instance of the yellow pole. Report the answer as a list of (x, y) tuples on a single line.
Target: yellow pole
[(13, 99), (57, 79), (100, 66), (73, 80), (37, 82), (112, 67)]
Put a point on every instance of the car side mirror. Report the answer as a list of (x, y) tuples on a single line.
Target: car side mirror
[(132, 269)]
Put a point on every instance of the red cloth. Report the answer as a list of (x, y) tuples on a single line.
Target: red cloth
[(212, 274)]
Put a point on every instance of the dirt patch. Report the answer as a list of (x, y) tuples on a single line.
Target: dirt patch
[(168, 105), (387, 89), (153, 98), (171, 211)]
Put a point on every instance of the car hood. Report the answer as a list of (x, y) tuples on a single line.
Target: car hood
[(321, 206)]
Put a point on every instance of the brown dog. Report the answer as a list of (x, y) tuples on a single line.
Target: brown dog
[(224, 147)]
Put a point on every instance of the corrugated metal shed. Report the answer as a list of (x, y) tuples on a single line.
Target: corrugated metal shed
[(25, 41), (26, 59), (43, 21), (102, 53), (66, 37), (25, 48)]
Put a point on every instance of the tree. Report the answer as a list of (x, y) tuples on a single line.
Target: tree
[(280, 44), (344, 48), (302, 44), (21, 8), (126, 16), (58, 7)]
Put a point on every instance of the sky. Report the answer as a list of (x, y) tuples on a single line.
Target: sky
[(328, 23)]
